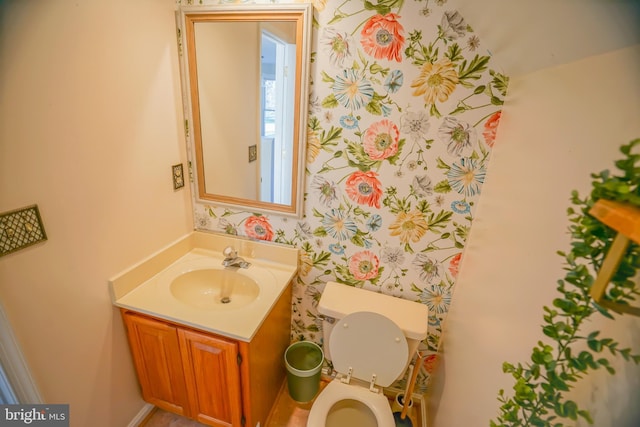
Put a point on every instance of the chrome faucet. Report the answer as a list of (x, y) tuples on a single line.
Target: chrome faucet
[(231, 258)]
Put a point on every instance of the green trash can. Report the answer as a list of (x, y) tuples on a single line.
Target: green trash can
[(303, 360)]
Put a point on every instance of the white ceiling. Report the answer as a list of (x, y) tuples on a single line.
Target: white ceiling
[(524, 35)]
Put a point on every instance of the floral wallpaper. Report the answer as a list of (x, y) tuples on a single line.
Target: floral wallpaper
[(404, 110)]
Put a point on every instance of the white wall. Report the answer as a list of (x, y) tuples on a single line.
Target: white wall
[(90, 124), (558, 126)]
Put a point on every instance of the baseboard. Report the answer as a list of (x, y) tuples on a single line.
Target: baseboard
[(141, 416)]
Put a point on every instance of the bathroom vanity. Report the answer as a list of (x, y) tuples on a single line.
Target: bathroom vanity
[(208, 335), (209, 377), (218, 363)]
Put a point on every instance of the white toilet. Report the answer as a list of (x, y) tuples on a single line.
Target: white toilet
[(370, 338)]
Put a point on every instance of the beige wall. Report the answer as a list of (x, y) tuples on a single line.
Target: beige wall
[(229, 81), (90, 124), (527, 36), (558, 126)]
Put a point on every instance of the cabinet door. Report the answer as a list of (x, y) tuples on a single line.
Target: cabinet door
[(155, 347), (212, 378)]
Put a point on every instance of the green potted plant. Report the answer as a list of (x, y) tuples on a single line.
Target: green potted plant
[(562, 359)]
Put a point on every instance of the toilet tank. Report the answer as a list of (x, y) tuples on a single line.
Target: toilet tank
[(339, 300)]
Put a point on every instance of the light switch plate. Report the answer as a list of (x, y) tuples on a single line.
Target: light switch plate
[(178, 176)]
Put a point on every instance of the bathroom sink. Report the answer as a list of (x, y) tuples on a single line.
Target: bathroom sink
[(214, 289), (186, 282)]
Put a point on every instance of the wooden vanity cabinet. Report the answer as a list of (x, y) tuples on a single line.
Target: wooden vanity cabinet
[(211, 367), (155, 347), (213, 379)]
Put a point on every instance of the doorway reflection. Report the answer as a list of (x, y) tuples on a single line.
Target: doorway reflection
[(276, 142)]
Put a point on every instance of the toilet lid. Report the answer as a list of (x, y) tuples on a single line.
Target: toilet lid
[(369, 343)]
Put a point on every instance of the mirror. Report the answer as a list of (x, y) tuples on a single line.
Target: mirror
[(245, 79)]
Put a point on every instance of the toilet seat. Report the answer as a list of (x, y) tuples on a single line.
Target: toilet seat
[(337, 391), (368, 347)]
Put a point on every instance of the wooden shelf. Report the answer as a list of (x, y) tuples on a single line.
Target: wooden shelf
[(625, 219)]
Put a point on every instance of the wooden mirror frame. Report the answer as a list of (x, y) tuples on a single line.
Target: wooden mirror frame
[(301, 14)]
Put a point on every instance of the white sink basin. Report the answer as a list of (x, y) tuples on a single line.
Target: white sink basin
[(214, 289), (186, 281)]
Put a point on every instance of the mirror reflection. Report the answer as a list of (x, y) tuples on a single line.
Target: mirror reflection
[(250, 64), (247, 94)]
